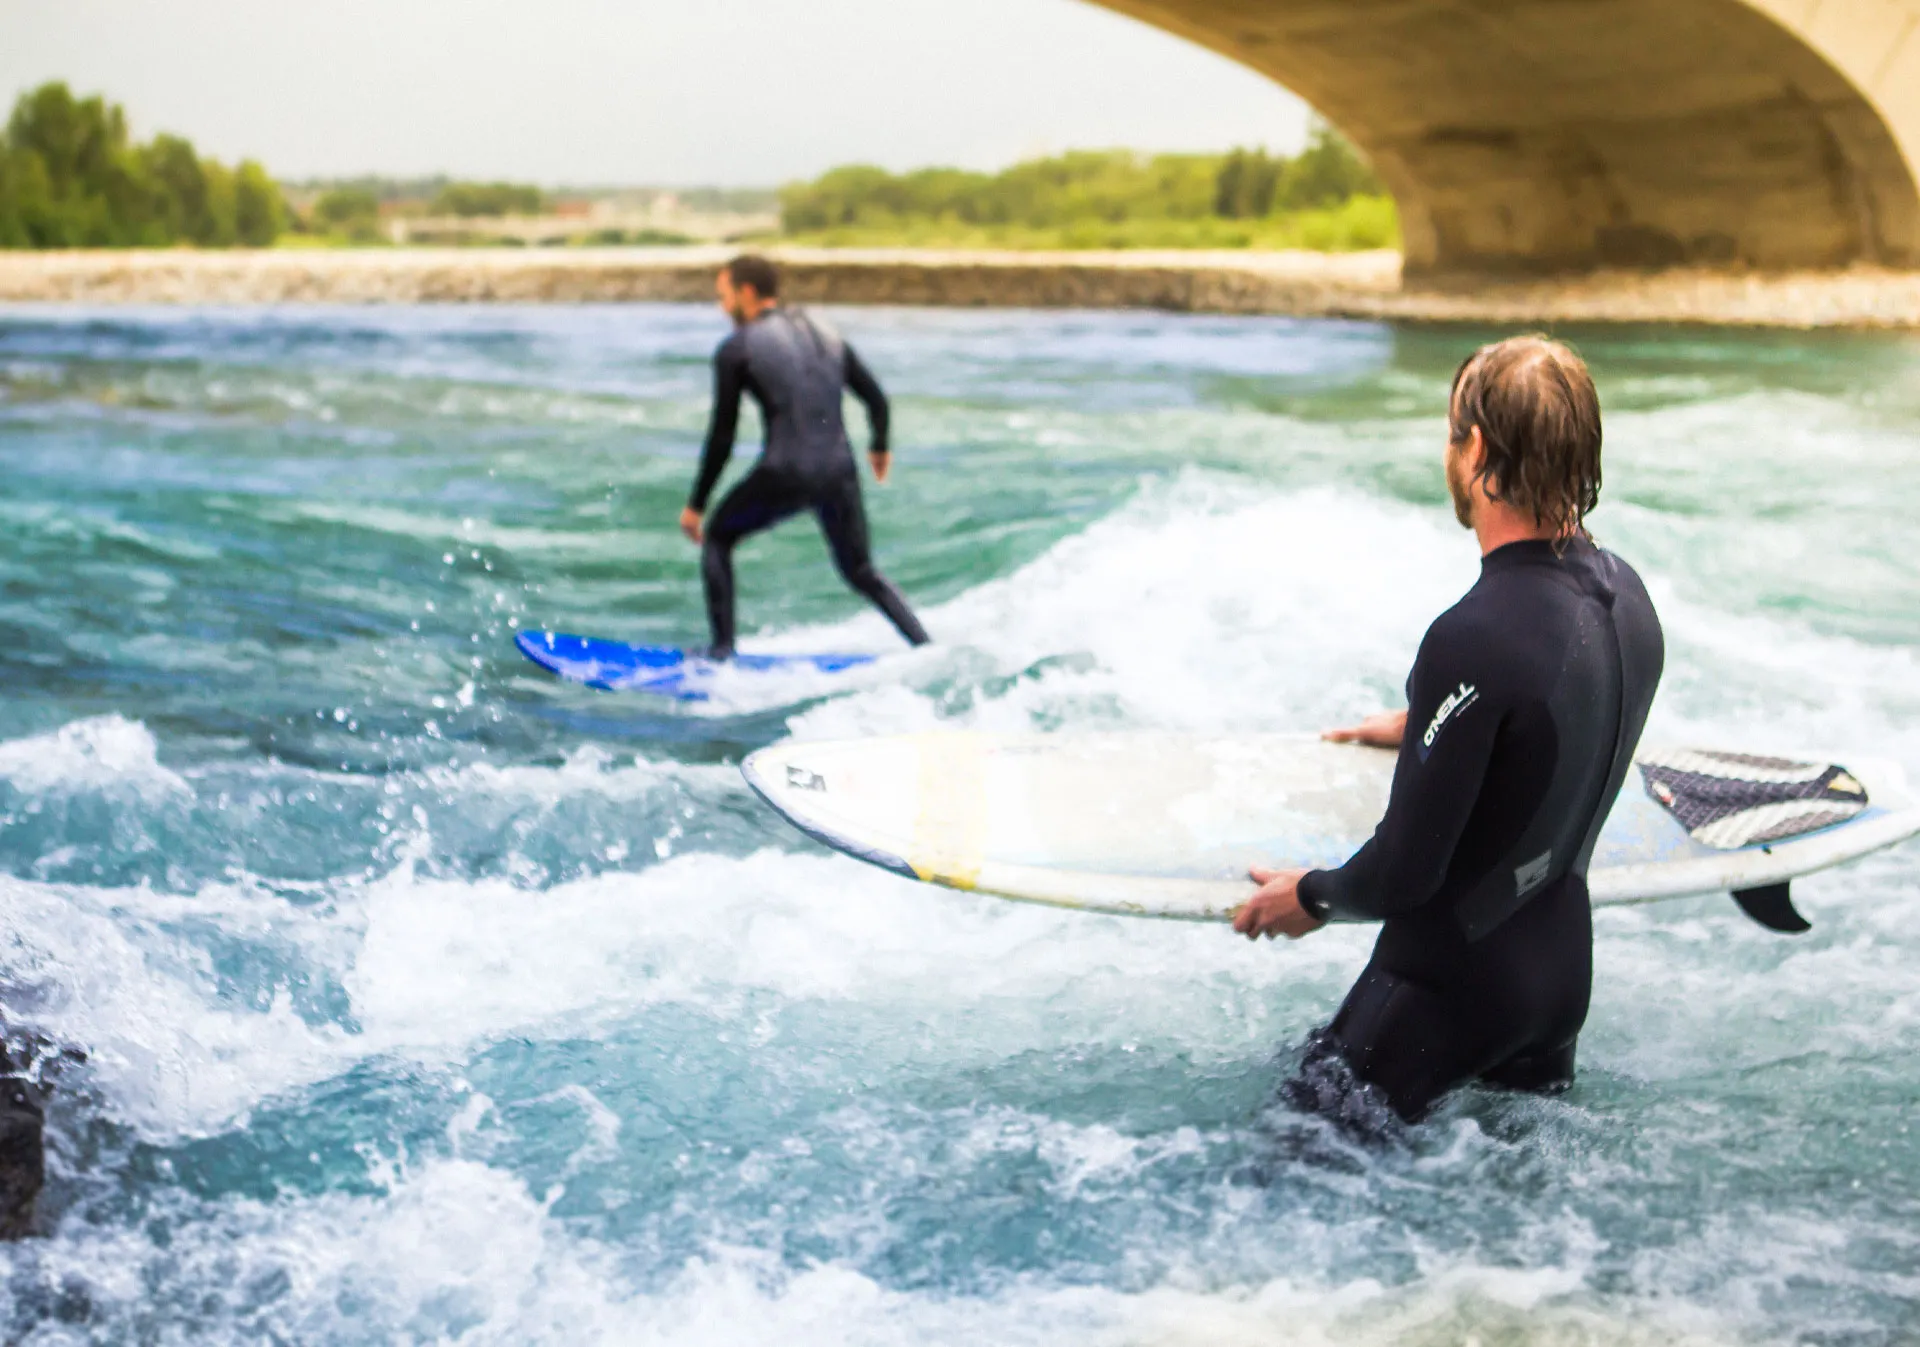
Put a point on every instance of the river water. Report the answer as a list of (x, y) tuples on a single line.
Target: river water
[(428, 999)]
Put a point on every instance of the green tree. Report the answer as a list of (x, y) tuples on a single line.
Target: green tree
[(1326, 173), (78, 141), (353, 212), (837, 198), (71, 177), (474, 199), (13, 229), (185, 196), (1324, 197), (259, 211), (77, 185), (1245, 185)]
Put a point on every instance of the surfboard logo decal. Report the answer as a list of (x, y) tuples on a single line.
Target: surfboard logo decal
[(1458, 700)]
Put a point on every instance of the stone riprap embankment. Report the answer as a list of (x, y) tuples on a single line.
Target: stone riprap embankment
[(1354, 285)]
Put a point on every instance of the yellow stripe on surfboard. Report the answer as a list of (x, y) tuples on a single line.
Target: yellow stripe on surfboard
[(950, 826)]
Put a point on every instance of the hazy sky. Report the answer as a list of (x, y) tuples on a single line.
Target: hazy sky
[(640, 91)]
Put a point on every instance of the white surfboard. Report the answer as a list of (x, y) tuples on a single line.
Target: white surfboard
[(1166, 825)]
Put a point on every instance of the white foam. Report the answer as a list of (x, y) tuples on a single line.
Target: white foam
[(99, 753), (588, 769), (1779, 686), (1203, 604), (103, 969), (453, 1248), (443, 963), (432, 967)]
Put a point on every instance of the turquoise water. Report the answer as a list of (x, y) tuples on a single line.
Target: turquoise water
[(429, 999)]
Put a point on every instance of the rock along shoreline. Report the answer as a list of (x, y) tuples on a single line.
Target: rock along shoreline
[(1297, 284)]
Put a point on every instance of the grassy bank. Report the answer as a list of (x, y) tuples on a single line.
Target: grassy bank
[(1324, 199), (72, 176), (1357, 224)]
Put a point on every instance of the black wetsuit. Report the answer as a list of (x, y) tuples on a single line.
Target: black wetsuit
[(1523, 710), (796, 371)]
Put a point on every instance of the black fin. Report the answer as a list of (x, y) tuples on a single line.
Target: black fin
[(1772, 906)]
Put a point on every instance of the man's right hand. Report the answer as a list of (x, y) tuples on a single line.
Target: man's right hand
[(881, 462), (1384, 730), (1275, 908), (691, 524)]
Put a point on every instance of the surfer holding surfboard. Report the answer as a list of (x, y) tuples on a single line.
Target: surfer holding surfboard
[(1525, 705), (797, 370)]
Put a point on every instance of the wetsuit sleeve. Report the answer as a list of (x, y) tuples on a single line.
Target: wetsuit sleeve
[(1453, 715), (867, 388), (729, 381)]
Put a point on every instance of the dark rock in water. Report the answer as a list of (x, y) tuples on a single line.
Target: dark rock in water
[(29, 1065), (23, 1154)]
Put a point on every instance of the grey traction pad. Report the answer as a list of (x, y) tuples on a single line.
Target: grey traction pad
[(1733, 800)]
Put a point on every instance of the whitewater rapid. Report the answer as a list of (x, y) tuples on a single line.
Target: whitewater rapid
[(429, 1000)]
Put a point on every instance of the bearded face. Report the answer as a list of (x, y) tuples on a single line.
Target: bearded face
[(1458, 485)]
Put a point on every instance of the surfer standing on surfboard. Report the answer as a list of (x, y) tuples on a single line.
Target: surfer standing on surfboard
[(797, 370), (1524, 707)]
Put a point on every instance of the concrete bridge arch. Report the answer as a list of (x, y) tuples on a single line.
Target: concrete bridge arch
[(1544, 135)]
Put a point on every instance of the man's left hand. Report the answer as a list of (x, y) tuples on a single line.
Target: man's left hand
[(692, 524), (1275, 909), (881, 462)]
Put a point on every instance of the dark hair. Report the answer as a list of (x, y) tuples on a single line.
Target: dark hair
[(1539, 416), (755, 270)]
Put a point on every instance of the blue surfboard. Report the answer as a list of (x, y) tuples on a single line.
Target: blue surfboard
[(664, 670)]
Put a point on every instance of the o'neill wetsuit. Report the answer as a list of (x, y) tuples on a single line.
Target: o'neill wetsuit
[(1523, 710), (796, 370)]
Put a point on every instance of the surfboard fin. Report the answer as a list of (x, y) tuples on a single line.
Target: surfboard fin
[(1772, 906)]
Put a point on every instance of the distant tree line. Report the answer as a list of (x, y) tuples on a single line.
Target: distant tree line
[(348, 210), (1251, 184), (71, 176), (471, 200), (727, 200), (351, 214), (351, 210), (1089, 195)]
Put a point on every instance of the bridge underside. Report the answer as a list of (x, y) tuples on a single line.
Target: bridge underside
[(1551, 135)]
